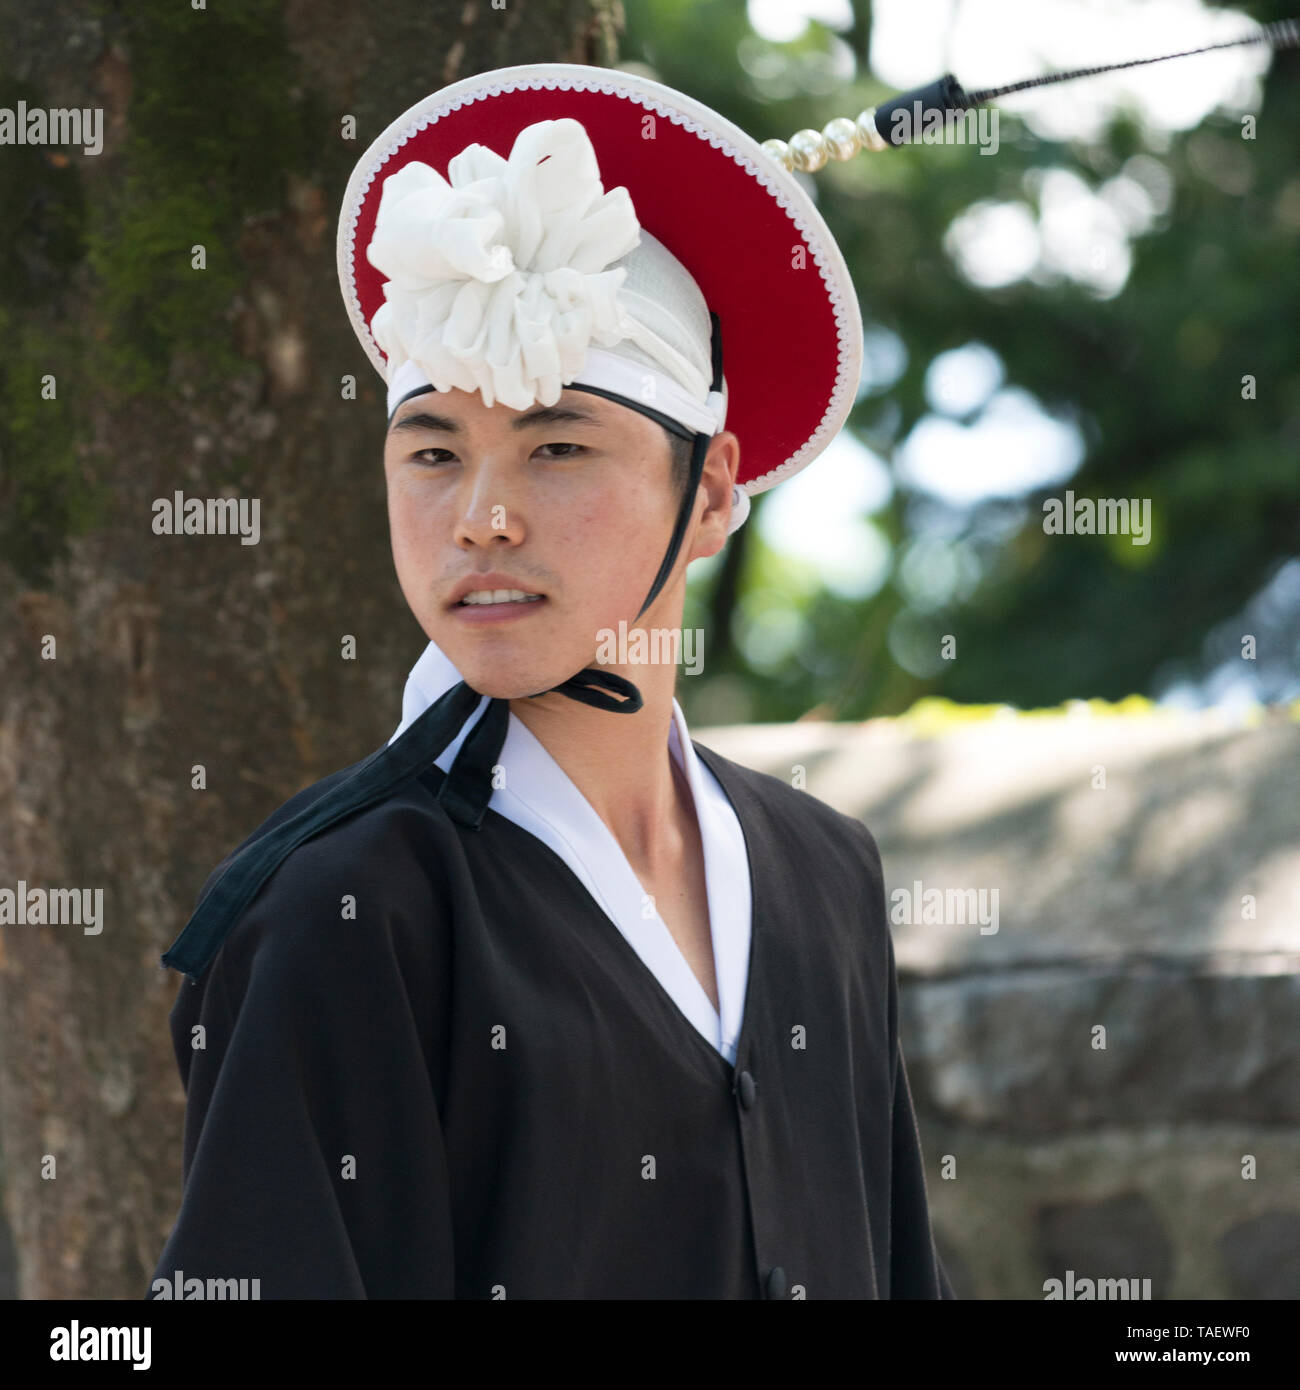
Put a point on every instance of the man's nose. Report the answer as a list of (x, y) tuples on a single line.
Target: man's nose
[(488, 504)]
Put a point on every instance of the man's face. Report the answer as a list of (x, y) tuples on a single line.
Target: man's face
[(572, 502)]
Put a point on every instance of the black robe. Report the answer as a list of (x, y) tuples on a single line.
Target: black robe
[(469, 1085)]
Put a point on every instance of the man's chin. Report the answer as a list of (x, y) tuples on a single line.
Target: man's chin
[(507, 669), (511, 685)]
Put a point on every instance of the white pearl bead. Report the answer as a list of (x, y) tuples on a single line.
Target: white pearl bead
[(871, 137), (808, 149), (779, 151), (841, 138)]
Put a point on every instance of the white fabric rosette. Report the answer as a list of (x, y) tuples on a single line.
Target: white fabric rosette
[(496, 277)]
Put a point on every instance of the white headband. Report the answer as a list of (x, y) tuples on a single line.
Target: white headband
[(607, 370)]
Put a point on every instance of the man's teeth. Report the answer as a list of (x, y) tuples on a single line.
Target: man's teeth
[(499, 596)]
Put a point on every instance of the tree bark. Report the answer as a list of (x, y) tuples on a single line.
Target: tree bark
[(132, 660)]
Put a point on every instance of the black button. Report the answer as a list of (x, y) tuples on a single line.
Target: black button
[(745, 1089), (776, 1282)]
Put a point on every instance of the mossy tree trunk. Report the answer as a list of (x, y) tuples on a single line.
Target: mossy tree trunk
[(131, 659)]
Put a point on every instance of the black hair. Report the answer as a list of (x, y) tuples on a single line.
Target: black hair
[(680, 452)]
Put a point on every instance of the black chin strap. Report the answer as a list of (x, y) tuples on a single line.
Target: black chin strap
[(466, 789)]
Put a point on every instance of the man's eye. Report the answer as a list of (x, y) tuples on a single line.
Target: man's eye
[(423, 455)]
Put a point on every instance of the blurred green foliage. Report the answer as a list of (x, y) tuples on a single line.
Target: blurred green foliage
[(1151, 378)]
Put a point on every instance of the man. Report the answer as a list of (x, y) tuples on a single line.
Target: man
[(542, 1000)]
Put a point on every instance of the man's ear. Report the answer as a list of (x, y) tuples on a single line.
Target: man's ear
[(718, 478)]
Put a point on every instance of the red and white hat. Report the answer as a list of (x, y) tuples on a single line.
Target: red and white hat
[(553, 224)]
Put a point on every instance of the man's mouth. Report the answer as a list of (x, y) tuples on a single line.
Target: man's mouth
[(489, 596)]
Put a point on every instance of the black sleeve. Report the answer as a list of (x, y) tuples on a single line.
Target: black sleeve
[(313, 1157), (914, 1267), (915, 1270)]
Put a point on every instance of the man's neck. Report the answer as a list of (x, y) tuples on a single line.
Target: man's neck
[(621, 763)]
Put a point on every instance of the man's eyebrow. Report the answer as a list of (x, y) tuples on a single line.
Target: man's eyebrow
[(554, 415), (540, 415)]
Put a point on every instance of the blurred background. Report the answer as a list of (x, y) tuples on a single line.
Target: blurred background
[(1107, 305), (1076, 311)]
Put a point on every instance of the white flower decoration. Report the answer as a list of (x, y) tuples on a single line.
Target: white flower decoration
[(497, 279)]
